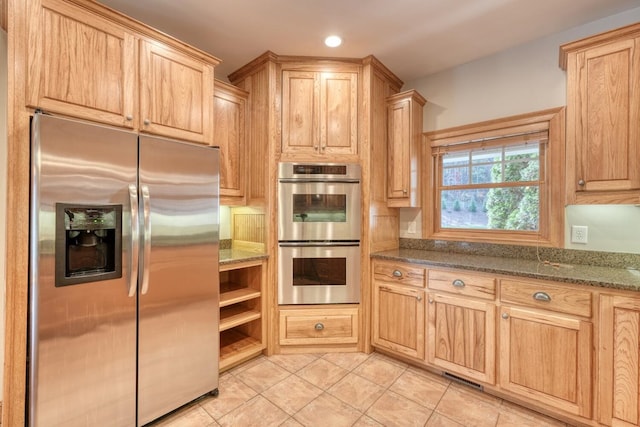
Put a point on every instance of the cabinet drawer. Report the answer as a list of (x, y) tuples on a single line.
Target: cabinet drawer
[(462, 283), (399, 273), (547, 296), (318, 326)]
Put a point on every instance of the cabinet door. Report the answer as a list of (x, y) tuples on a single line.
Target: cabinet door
[(399, 319), (461, 336), (547, 358), (176, 94), (619, 351), (300, 106), (230, 132), (605, 97), (338, 113), (404, 115), (80, 64)]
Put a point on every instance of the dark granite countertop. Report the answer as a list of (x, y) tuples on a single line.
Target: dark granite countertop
[(232, 256), (617, 278)]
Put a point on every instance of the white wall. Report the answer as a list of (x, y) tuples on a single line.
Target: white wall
[(3, 191), (225, 222), (520, 80)]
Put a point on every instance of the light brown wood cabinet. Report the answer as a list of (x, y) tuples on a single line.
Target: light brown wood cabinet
[(399, 309), (461, 328), (242, 305), (546, 356), (603, 117), (319, 113), (95, 66), (333, 325), (230, 134), (404, 114), (619, 360)]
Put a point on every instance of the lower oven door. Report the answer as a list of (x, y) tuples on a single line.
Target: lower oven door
[(318, 273)]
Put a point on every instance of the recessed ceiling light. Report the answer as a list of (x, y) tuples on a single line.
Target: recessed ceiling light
[(333, 41)]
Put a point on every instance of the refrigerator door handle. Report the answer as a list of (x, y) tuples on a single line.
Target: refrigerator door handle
[(135, 240), (146, 209)]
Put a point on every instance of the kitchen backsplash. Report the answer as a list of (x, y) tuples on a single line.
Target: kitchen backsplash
[(555, 255)]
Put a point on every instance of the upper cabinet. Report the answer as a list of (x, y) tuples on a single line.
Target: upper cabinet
[(89, 62), (603, 117), (230, 134), (319, 113), (404, 113)]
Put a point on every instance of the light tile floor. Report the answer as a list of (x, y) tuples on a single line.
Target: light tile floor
[(346, 389)]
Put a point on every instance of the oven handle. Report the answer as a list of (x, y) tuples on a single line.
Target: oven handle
[(329, 181), (317, 244)]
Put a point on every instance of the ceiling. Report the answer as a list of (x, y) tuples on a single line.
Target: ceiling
[(414, 38)]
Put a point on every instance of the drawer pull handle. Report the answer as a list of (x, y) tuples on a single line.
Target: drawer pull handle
[(505, 316), (319, 326), (458, 283), (542, 296), (397, 273)]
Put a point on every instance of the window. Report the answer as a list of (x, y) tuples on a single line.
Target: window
[(498, 181)]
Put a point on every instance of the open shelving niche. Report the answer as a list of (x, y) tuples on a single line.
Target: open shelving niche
[(242, 333)]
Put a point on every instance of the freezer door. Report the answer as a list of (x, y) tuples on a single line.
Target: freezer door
[(82, 328), (179, 284)]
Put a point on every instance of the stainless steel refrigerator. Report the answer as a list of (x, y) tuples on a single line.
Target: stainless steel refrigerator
[(124, 287)]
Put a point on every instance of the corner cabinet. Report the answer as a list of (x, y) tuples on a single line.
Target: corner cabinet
[(399, 308), (404, 113), (319, 113), (230, 134), (242, 306), (603, 117), (89, 62), (619, 367)]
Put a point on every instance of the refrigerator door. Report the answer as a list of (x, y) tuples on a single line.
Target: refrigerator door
[(82, 329), (179, 286)]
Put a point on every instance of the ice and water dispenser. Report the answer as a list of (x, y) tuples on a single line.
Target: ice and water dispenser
[(88, 243)]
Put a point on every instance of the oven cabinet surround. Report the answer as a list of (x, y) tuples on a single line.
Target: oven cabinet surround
[(242, 306), (404, 115), (355, 132), (571, 351), (230, 134), (399, 305), (461, 326), (319, 111), (88, 62), (619, 363), (603, 112)]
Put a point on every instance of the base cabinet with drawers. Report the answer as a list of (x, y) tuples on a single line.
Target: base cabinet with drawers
[(399, 307), (327, 326), (568, 350), (461, 337)]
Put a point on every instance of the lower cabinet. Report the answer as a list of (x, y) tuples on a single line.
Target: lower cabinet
[(318, 326), (546, 358), (619, 366), (461, 336), (242, 332)]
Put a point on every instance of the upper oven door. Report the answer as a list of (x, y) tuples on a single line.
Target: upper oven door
[(318, 211)]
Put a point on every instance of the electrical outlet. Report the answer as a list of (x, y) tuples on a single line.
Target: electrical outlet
[(579, 234)]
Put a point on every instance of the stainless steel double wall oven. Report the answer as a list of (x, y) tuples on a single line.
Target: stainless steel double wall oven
[(318, 233)]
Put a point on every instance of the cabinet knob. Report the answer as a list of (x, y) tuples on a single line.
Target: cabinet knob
[(430, 300), (541, 296), (458, 283), (319, 326), (581, 182), (147, 122), (397, 273), (129, 117), (419, 298), (315, 147), (404, 191), (505, 316)]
